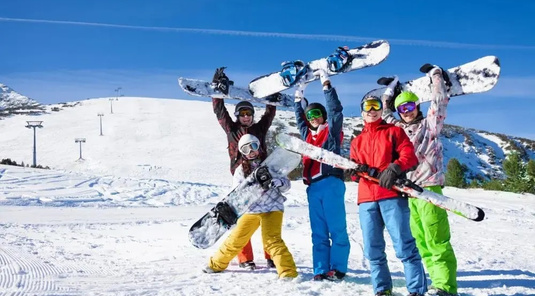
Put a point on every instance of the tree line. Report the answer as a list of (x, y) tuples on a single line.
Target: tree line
[(520, 176)]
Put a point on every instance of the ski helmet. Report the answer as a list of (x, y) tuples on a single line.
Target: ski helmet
[(248, 141), (243, 105), (317, 106), (404, 97)]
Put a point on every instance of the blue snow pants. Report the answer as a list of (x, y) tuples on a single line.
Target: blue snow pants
[(393, 213), (327, 212)]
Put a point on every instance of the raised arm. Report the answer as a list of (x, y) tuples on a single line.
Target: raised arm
[(388, 96), (222, 115), (439, 102)]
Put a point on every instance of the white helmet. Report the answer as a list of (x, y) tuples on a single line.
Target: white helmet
[(248, 143)]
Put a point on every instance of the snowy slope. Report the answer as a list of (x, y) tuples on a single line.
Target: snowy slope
[(115, 223)]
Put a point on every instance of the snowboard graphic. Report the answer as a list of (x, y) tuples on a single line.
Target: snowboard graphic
[(208, 229), (404, 186), (364, 56), (477, 76), (201, 88)]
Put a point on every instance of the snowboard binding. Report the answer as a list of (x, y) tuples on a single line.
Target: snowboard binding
[(224, 212), (339, 60), (427, 67), (263, 177), (292, 72), (221, 82), (397, 90)]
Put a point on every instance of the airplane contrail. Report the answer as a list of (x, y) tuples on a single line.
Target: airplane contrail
[(322, 37)]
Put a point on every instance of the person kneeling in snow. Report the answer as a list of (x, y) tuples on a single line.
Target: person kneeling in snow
[(267, 212)]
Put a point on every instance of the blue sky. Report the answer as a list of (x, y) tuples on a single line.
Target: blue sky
[(68, 50)]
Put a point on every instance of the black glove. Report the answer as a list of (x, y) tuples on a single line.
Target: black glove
[(389, 176), (221, 81), (354, 173), (263, 177)]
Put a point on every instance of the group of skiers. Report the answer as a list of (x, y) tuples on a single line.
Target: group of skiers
[(409, 146)]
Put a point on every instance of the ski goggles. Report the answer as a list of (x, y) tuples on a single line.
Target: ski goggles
[(406, 107), (247, 148), (313, 114), (245, 112), (373, 104)]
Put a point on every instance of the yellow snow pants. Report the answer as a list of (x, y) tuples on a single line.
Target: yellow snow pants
[(271, 236)]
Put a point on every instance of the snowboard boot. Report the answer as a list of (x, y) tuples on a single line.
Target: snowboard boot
[(208, 269), (384, 293), (433, 291), (335, 275), (319, 277), (270, 263), (415, 294), (250, 265)]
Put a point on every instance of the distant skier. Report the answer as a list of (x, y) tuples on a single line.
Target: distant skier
[(268, 212), (322, 127), (429, 223), (387, 148), (244, 124)]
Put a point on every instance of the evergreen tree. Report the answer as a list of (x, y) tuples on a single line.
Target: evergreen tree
[(455, 174), (517, 180), (531, 169)]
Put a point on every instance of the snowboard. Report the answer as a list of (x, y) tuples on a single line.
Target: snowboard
[(404, 186), (203, 88), (474, 77), (363, 56), (209, 228)]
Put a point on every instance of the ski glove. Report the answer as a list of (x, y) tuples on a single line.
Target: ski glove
[(388, 177), (263, 177), (389, 91), (324, 77)]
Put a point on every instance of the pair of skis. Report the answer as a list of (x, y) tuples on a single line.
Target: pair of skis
[(404, 186)]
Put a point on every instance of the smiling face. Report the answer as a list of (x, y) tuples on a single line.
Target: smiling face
[(372, 109), (408, 117), (245, 117)]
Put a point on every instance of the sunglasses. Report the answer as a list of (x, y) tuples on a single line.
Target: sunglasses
[(407, 107), (313, 114), (249, 147), (246, 112), (369, 105)]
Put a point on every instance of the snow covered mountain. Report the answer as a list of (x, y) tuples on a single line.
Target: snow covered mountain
[(137, 123), (11, 102)]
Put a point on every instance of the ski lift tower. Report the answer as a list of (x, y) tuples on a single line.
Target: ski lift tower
[(80, 140), (34, 125)]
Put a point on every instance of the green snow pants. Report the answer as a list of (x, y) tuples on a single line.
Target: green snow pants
[(431, 229)]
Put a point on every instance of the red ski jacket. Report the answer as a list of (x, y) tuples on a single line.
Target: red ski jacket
[(378, 145)]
